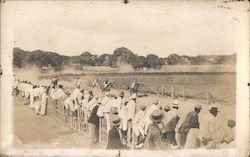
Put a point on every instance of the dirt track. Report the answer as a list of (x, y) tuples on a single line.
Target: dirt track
[(43, 132)]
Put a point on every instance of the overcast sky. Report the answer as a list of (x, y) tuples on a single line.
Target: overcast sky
[(159, 27)]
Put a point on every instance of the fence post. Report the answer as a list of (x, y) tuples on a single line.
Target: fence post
[(162, 91), (183, 92), (172, 92), (129, 132), (133, 140), (100, 129), (207, 97)]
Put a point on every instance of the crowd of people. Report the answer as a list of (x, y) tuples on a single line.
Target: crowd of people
[(153, 126)]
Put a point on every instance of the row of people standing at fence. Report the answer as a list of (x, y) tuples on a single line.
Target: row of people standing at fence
[(157, 128), (34, 95)]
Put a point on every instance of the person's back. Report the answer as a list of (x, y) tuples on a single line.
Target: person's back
[(153, 138), (191, 121)]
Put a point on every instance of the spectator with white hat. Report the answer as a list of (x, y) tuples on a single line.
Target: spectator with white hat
[(171, 123), (131, 107), (138, 123)]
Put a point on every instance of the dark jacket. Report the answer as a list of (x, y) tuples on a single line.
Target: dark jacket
[(191, 121), (93, 118), (114, 139)]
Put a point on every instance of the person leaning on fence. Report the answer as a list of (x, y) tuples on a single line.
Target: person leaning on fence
[(191, 122), (154, 139), (114, 135), (131, 107), (71, 104), (44, 100), (138, 125), (148, 113), (124, 120), (94, 124), (171, 123), (120, 100), (209, 127)]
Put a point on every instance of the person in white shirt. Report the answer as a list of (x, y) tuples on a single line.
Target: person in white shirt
[(131, 107), (73, 102), (138, 123), (124, 120), (107, 110), (209, 127), (171, 122), (149, 111), (59, 93), (120, 101)]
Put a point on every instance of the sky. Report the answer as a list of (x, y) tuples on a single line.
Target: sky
[(158, 27)]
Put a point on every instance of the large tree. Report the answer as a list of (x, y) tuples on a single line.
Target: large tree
[(153, 61)]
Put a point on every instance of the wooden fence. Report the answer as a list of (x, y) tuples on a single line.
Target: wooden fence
[(56, 111)]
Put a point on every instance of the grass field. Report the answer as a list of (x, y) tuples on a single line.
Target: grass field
[(221, 86)]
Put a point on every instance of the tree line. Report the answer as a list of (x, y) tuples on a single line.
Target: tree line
[(39, 58)]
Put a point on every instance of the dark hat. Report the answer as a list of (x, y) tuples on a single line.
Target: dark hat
[(198, 106), (156, 116), (167, 108), (231, 123), (60, 86), (214, 109), (116, 120)]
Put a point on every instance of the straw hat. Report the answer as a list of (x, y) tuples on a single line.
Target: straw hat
[(116, 120), (156, 116), (133, 96), (107, 93), (176, 103), (99, 101)]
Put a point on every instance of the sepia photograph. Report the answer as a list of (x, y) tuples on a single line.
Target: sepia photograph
[(125, 78)]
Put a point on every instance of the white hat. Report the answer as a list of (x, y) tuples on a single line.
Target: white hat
[(107, 93), (175, 103), (155, 101), (133, 96)]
